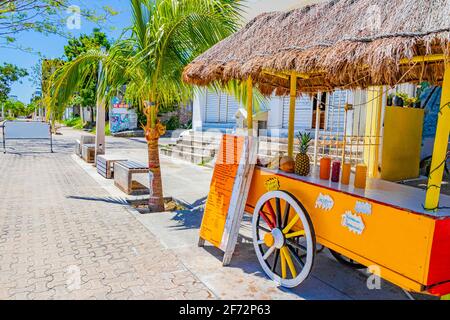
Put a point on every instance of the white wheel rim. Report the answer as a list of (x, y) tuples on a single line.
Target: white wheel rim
[(294, 282)]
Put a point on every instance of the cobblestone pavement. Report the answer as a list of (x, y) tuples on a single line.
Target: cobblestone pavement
[(61, 237)]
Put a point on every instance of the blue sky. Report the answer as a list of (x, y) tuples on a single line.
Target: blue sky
[(53, 46)]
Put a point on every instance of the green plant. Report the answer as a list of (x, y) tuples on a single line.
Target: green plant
[(390, 99), (71, 122), (304, 140), (173, 123), (407, 100)]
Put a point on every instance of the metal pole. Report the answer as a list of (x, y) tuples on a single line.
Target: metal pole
[(100, 119), (293, 98), (378, 131), (4, 139), (51, 138), (250, 106), (317, 131)]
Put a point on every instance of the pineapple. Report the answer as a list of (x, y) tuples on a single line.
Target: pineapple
[(302, 166)]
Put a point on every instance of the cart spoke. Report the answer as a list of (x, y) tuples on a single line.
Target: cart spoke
[(290, 264), (264, 229), (266, 219), (278, 212), (286, 214), (295, 234), (275, 260), (291, 224), (283, 265), (272, 213), (296, 257), (269, 252), (295, 245)]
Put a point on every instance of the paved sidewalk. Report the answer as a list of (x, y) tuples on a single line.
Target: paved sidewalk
[(61, 239), (244, 278), (60, 218)]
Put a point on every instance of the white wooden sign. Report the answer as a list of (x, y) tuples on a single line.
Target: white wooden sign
[(229, 189)]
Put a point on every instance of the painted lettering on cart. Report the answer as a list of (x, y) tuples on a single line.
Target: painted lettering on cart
[(353, 222), (324, 202), (272, 184), (363, 207)]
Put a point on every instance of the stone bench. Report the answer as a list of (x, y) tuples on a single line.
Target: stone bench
[(105, 165), (82, 141), (123, 177), (88, 153)]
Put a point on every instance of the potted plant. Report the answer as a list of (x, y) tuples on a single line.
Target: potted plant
[(399, 99), (390, 99)]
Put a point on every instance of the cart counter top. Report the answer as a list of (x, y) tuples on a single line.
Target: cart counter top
[(384, 192)]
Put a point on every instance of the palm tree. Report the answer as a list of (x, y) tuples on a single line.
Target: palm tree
[(165, 36)]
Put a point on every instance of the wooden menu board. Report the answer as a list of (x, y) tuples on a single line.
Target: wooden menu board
[(228, 193)]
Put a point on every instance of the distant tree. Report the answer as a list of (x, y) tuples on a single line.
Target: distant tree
[(15, 108), (48, 68), (87, 91), (9, 74), (45, 16), (83, 43)]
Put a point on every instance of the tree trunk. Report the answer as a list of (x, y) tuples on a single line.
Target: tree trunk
[(156, 201)]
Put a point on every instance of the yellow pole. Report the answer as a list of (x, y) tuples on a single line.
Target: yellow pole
[(293, 94), (440, 146), (250, 106), (378, 132)]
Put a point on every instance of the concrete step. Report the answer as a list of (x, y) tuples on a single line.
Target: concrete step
[(207, 151), (191, 157), (198, 143)]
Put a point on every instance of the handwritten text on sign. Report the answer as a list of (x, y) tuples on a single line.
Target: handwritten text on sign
[(223, 180)]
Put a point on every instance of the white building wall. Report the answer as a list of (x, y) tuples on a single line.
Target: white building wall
[(198, 110)]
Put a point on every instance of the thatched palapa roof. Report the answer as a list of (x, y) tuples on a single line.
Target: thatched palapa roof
[(340, 43)]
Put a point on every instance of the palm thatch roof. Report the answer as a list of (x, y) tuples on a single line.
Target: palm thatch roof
[(340, 44)]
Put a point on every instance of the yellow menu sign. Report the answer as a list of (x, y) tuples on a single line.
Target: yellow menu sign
[(221, 191)]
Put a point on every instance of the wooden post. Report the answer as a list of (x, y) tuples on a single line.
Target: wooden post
[(250, 106), (293, 98), (317, 131), (440, 146)]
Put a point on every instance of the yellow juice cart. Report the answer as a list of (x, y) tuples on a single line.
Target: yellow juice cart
[(399, 232)]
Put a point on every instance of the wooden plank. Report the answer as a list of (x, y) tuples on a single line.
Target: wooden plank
[(227, 197)]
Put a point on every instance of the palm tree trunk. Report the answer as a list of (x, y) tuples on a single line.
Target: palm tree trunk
[(156, 201)]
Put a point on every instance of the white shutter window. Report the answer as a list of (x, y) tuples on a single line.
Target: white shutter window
[(212, 107), (223, 105), (336, 110), (233, 107), (303, 112)]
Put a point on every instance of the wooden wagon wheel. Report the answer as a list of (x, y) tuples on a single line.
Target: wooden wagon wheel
[(284, 238)]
